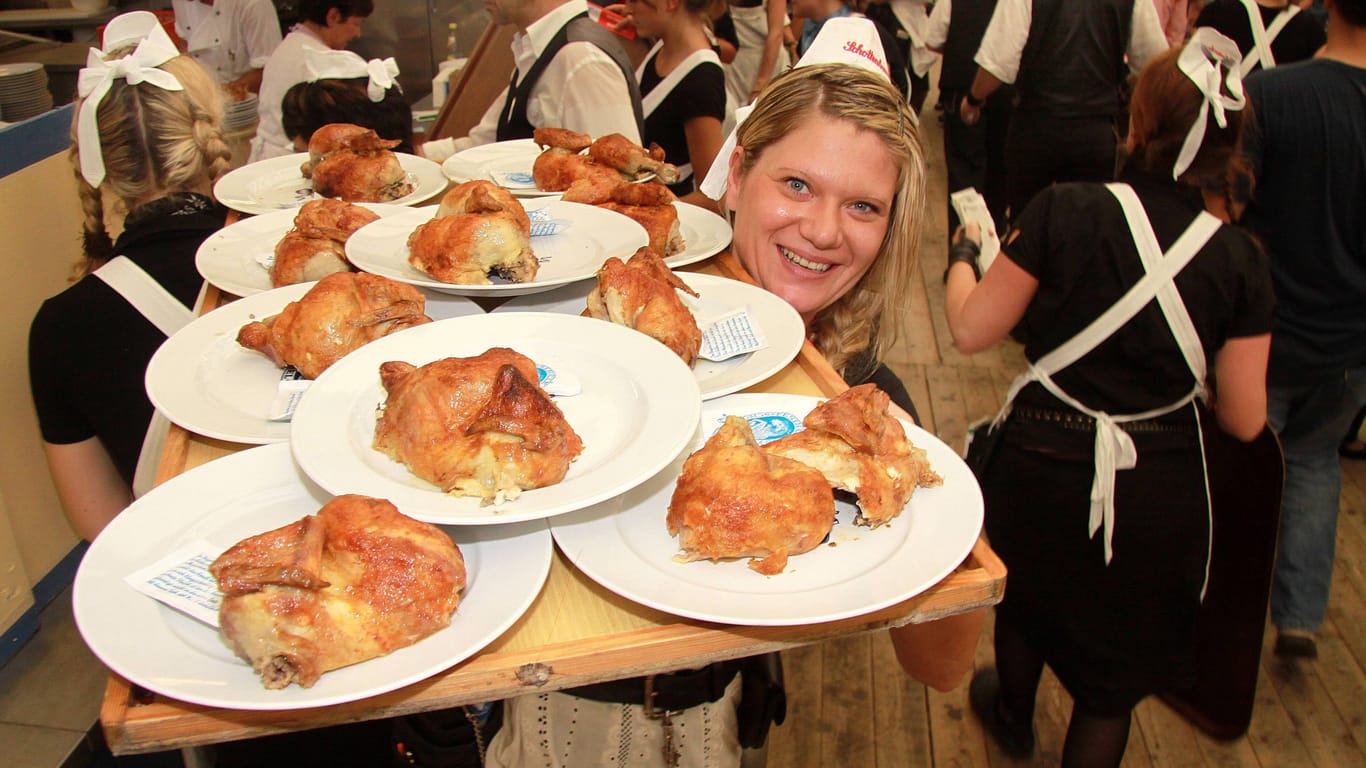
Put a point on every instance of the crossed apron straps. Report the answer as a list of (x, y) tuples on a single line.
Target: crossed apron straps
[(650, 102), (1114, 447), (1262, 36), (164, 311)]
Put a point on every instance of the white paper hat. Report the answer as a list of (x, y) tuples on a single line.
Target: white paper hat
[(331, 64), (1201, 60), (842, 40)]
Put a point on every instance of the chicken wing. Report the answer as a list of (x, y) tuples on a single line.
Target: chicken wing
[(632, 160), (860, 447), (480, 230), (563, 138), (555, 169), (642, 294), (475, 426), (734, 500), (342, 313), (354, 582)]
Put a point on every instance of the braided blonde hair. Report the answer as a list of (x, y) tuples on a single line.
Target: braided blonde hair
[(154, 141), (853, 324)]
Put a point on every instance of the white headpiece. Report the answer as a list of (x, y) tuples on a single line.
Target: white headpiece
[(842, 40), (346, 65), (1201, 61), (98, 76)]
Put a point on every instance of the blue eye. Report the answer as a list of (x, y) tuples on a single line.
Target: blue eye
[(795, 184)]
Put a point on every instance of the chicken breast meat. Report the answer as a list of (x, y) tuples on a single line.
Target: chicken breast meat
[(475, 426), (860, 447), (642, 293), (651, 205), (354, 582), (735, 500), (479, 230), (340, 314)]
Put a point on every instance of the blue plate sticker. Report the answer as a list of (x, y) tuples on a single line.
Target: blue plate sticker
[(544, 375), (557, 384), (767, 426)]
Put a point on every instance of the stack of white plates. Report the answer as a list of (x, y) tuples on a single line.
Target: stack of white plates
[(238, 115), (23, 90)]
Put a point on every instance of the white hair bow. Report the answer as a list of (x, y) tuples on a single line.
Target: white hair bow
[(347, 65), (1201, 60), (98, 76), (843, 40)]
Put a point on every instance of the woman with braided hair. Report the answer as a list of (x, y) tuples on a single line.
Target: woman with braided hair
[(147, 144)]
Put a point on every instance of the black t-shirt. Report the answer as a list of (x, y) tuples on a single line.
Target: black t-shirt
[(1074, 239), (1300, 39), (89, 348), (701, 93)]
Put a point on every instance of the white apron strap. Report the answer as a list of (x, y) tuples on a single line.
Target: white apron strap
[(1263, 36), (164, 311), (1114, 448), (651, 101)]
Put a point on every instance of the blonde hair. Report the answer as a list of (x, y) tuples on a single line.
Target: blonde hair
[(153, 141), (851, 325)]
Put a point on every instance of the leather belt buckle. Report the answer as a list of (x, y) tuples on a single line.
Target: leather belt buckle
[(649, 702)]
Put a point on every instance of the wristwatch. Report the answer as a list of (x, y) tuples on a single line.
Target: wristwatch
[(973, 100)]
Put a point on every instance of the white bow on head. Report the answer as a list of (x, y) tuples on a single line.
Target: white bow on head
[(843, 40), (346, 65), (1201, 61), (99, 74)]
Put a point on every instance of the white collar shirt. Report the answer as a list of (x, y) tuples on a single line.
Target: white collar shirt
[(230, 37), (287, 67), (582, 89)]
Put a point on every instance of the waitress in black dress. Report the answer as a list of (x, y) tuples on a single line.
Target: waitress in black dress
[(1142, 316)]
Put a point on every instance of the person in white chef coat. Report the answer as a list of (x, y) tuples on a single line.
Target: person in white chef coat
[(230, 38)]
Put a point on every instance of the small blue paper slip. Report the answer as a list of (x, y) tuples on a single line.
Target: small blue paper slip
[(290, 391), (767, 426), (557, 381), (181, 580), (542, 225), (729, 335), (518, 179)]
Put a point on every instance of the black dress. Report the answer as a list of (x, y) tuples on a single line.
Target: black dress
[(1115, 632), (701, 93)]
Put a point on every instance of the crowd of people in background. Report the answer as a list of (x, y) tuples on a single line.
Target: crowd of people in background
[(1111, 139)]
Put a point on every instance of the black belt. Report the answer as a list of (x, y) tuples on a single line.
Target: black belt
[(1083, 423), (746, 3), (672, 692)]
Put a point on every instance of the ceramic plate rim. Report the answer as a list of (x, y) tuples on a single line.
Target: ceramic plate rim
[(124, 547), (715, 226), (593, 527), (230, 189), (659, 376)]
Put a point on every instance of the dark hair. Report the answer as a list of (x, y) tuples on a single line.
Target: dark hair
[(1352, 11), (316, 10), (309, 106), (1165, 105)]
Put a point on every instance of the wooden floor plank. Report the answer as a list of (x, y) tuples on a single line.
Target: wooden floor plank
[(796, 742), (1318, 726), (846, 696), (1168, 738), (946, 402), (899, 711)]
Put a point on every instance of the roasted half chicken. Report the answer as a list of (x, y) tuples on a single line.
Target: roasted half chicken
[(642, 293), (356, 581), (651, 205), (340, 314), (479, 230), (860, 447), (611, 157), (316, 246), (735, 500), (475, 426), (355, 164)]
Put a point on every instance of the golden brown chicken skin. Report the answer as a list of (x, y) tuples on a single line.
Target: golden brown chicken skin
[(356, 581), (340, 314), (642, 293), (858, 446), (734, 500), (475, 426), (631, 160), (651, 205), (316, 246), (479, 231), (354, 164)]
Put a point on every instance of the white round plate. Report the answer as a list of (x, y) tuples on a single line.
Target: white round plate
[(241, 495), (637, 410), (624, 544), (270, 185), (705, 234), (230, 258), (781, 325), (494, 162), (206, 382), (587, 236)]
